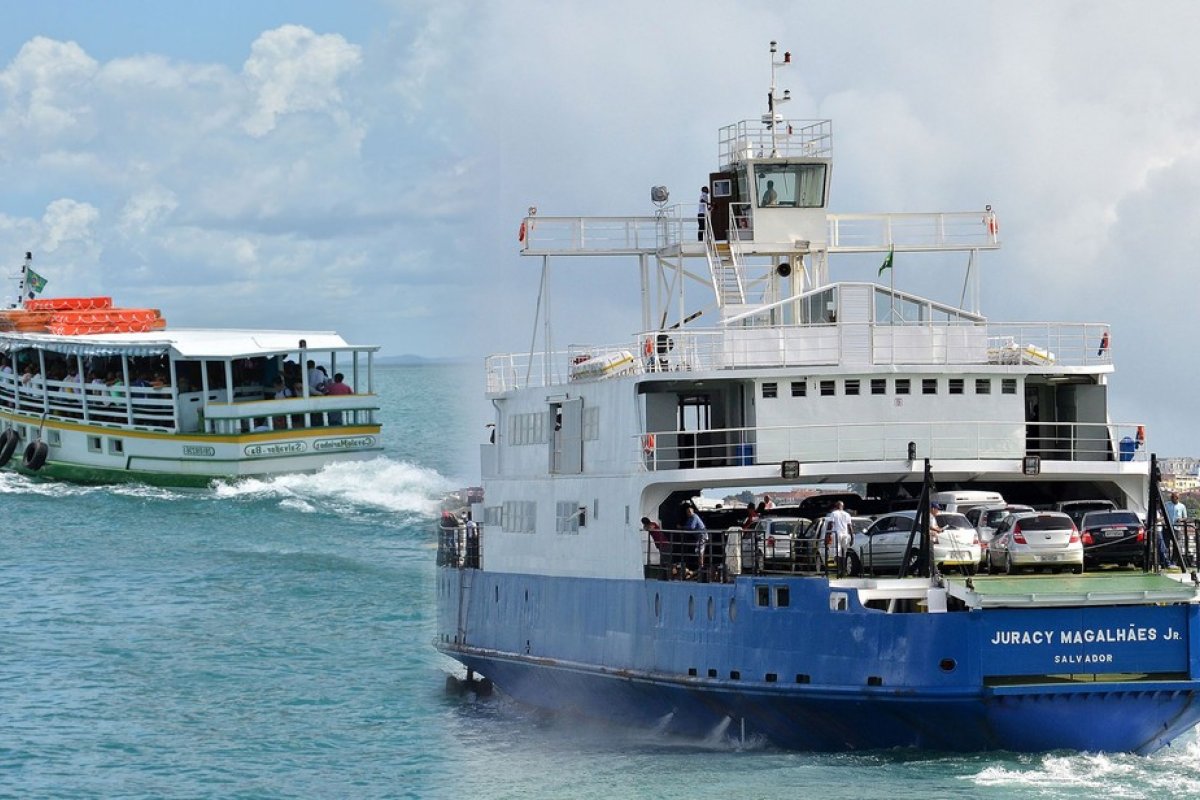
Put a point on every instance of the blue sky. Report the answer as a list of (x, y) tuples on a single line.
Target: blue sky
[(364, 166)]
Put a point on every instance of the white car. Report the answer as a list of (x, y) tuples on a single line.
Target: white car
[(884, 546)]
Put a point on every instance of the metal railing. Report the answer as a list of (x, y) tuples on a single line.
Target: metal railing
[(750, 138), (72, 401), (957, 230), (889, 441), (1042, 344), (460, 546), (604, 235), (720, 555)]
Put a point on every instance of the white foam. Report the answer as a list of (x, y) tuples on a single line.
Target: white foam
[(380, 483)]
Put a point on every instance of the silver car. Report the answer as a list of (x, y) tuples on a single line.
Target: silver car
[(1039, 540), (987, 518), (884, 546)]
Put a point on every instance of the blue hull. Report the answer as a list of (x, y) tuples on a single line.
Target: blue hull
[(805, 676)]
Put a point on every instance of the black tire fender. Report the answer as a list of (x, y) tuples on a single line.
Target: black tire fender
[(35, 455), (8, 445)]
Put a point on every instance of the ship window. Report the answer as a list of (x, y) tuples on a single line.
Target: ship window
[(94, 444), (591, 424), (852, 386), (827, 389), (878, 385), (791, 185), (983, 386), (116, 446), (929, 386), (799, 388), (956, 386), (783, 597), (55, 438), (1008, 386), (519, 516), (762, 595), (770, 390), (492, 515), (567, 517), (902, 386)]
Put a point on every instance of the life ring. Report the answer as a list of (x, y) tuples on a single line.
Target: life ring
[(521, 232), (8, 445), (648, 445), (35, 455), (1141, 435), (648, 347)]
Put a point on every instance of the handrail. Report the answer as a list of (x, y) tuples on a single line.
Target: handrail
[(1037, 346)]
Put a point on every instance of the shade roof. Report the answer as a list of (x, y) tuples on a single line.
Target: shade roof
[(184, 343)]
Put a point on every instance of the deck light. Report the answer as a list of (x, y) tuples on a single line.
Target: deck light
[(790, 470), (1032, 465)]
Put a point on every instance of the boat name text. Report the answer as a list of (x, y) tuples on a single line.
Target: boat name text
[(1088, 636), (344, 443), (199, 450), (276, 449)]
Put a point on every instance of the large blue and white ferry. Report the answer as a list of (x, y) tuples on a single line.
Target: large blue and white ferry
[(557, 595)]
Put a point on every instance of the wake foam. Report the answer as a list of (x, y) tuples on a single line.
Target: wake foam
[(380, 484)]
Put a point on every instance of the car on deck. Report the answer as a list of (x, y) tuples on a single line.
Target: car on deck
[(884, 547), (1038, 540), (1113, 537)]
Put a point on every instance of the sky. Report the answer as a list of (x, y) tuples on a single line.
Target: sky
[(364, 166)]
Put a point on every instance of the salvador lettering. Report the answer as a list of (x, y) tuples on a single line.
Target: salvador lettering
[(276, 449)]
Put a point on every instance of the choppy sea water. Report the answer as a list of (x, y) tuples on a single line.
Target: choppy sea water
[(271, 639)]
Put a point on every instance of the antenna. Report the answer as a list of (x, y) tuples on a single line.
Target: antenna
[(772, 117)]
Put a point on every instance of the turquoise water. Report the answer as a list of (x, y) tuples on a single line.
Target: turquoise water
[(271, 639)]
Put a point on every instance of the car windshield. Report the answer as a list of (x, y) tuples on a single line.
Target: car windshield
[(946, 520), (783, 528), (1111, 518), (1045, 522), (993, 517)]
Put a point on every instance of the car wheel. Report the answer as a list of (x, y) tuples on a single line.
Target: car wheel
[(1009, 569), (854, 564), (1077, 569)]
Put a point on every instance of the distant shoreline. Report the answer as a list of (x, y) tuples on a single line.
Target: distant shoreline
[(409, 360)]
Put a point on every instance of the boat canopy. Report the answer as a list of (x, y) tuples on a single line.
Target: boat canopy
[(192, 344)]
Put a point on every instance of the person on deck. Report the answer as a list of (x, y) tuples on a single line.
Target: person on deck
[(839, 538), (770, 196), (699, 540), (661, 543), (702, 213)]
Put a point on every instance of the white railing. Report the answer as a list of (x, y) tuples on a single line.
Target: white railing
[(602, 235), (751, 138), (888, 441), (132, 406), (1045, 346), (849, 233), (258, 415)]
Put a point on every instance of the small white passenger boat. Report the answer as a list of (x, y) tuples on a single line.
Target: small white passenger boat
[(97, 394)]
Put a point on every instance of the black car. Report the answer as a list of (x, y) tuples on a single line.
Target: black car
[(1112, 537)]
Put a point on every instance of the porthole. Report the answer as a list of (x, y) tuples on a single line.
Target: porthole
[(948, 664), (712, 609), (497, 593), (733, 609), (691, 607), (527, 597), (657, 606)]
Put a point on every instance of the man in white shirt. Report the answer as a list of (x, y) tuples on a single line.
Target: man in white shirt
[(839, 538)]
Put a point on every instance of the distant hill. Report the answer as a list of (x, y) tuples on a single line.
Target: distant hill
[(410, 360)]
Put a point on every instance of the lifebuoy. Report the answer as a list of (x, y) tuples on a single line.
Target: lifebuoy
[(1141, 435), (648, 347), (8, 445), (521, 232), (648, 445), (35, 455)]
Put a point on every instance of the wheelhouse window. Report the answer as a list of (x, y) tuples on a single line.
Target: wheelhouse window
[(799, 388), (790, 185), (770, 390)]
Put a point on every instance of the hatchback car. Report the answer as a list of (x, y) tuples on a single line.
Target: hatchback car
[(1113, 537), (884, 546), (1039, 540), (986, 518)]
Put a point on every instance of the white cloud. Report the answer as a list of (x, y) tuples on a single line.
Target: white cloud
[(41, 88), (68, 221), (291, 69)]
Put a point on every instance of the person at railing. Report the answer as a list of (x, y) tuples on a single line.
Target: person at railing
[(694, 548), (316, 378), (339, 388), (838, 540), (661, 543), (702, 213), (1176, 514), (74, 382), (472, 555), (5, 366)]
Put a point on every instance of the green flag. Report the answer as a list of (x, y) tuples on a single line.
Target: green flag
[(35, 282), (887, 262)]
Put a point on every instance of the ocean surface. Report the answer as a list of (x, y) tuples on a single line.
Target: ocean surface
[(271, 639)]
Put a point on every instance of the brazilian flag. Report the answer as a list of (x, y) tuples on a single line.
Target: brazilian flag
[(887, 262), (34, 281)]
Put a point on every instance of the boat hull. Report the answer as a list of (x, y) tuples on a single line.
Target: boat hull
[(806, 677)]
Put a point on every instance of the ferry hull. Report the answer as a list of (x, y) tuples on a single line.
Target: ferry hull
[(806, 677)]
